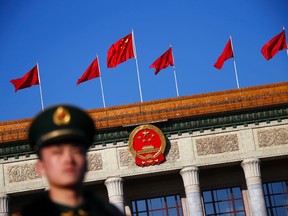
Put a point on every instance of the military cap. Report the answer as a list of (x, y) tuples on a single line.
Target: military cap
[(61, 123)]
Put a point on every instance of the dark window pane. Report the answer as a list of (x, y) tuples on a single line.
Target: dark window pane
[(158, 206), (222, 202), (216, 206), (172, 212), (282, 211), (277, 187), (239, 205), (133, 206), (171, 201), (227, 214), (178, 201), (279, 200), (272, 200), (207, 196), (141, 205), (265, 189), (222, 194), (267, 201), (180, 211), (158, 213), (156, 203), (209, 208), (270, 188), (276, 195), (224, 207), (236, 192)]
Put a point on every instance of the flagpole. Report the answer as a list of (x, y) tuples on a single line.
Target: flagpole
[(137, 68), (40, 87), (175, 78), (285, 41), (235, 69), (102, 91)]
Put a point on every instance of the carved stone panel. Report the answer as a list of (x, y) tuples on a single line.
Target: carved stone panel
[(217, 144), (126, 158), (22, 172), (95, 162), (272, 137), (173, 153)]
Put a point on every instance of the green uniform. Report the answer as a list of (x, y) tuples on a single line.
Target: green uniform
[(92, 206)]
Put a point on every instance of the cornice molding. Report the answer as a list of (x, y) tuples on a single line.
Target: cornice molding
[(170, 127), (173, 116)]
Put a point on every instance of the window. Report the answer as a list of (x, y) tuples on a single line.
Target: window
[(224, 202), (276, 197), (159, 206)]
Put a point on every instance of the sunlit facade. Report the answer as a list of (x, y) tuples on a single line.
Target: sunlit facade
[(225, 153)]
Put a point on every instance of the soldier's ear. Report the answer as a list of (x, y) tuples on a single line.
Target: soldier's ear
[(39, 168)]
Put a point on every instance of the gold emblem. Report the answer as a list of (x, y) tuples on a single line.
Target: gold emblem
[(80, 212), (61, 116), (147, 144), (68, 213)]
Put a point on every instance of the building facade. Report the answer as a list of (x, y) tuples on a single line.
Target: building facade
[(225, 153)]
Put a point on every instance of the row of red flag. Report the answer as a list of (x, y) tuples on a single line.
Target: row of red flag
[(123, 50), (269, 50)]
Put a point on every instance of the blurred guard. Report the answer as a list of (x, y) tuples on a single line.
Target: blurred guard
[(61, 136)]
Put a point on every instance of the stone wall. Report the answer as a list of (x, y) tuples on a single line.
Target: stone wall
[(207, 148)]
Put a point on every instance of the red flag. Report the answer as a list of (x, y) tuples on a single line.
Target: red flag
[(28, 80), (91, 72), (277, 43), (163, 61), (226, 54), (120, 51)]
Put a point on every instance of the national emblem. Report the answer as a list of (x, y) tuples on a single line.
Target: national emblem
[(147, 144)]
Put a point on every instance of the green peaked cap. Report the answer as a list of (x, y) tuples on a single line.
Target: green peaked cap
[(59, 124)]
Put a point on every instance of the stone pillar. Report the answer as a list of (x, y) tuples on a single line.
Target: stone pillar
[(252, 172), (3, 204), (190, 176), (115, 192)]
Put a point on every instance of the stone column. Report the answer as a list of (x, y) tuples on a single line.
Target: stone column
[(115, 192), (190, 176), (252, 172), (3, 204)]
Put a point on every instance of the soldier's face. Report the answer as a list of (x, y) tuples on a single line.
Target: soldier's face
[(64, 165)]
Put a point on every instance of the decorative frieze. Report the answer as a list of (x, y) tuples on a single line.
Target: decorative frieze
[(95, 162), (217, 144), (173, 153), (125, 156), (272, 137), (22, 172)]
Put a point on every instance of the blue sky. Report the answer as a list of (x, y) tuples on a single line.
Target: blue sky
[(64, 37)]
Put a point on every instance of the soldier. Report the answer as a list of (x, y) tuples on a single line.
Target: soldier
[(61, 136)]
